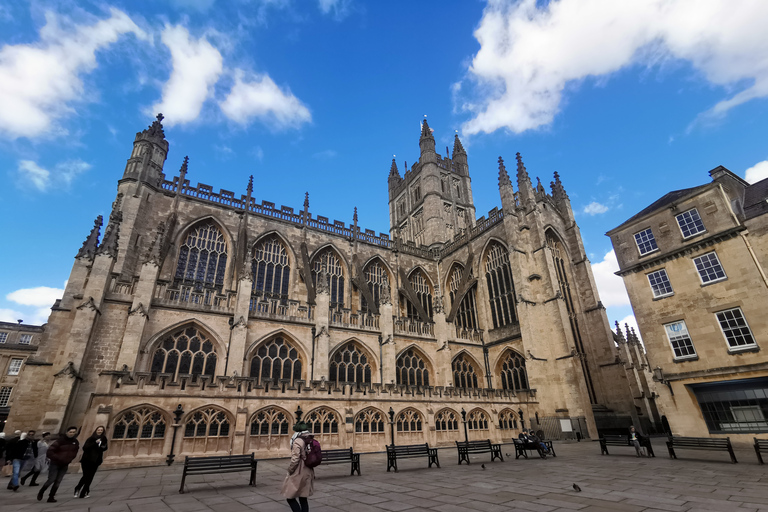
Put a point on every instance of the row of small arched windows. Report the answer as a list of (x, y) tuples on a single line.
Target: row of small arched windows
[(188, 351)]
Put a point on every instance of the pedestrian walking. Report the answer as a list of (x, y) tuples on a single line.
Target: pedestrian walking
[(30, 456), (2, 449), (637, 440), (41, 461), (61, 452), (93, 455), (299, 482), (18, 450)]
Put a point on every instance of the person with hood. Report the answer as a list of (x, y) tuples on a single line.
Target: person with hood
[(61, 452), (299, 482), (41, 461), (18, 450), (93, 456)]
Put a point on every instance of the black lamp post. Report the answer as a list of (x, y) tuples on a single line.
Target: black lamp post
[(177, 414), (392, 424), (464, 419), (299, 412), (522, 420)]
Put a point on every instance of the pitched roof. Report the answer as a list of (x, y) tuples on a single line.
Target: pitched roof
[(662, 202), (755, 197)]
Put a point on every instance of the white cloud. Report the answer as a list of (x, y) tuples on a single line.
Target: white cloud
[(39, 82), (30, 174), (198, 5), (757, 172), (197, 66), (595, 208), (610, 286), (260, 98), (39, 296), (530, 51), (338, 8), (11, 315)]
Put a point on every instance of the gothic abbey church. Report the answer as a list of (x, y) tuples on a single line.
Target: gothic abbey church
[(205, 322)]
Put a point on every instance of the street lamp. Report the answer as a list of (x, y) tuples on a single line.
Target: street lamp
[(464, 419), (177, 414), (522, 420), (299, 412), (392, 424)]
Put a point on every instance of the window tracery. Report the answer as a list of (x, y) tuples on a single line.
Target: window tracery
[(423, 290), (276, 359), (323, 421), (375, 275), (271, 269), (350, 364), (447, 421), (202, 258), (507, 420), (139, 423), (514, 376), (271, 422), (464, 375), (369, 420), (466, 316), (328, 259), (409, 420), (209, 422), (477, 420), (411, 369), (187, 351), (501, 289)]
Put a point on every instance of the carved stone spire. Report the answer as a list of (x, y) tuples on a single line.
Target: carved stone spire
[(427, 140), (458, 148), (426, 132), (155, 130), (619, 333), (112, 234), (393, 171), (183, 174), (524, 184), (249, 188), (558, 191), (503, 176), (88, 250)]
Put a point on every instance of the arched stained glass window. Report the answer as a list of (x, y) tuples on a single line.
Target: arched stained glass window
[(464, 375), (209, 422), (501, 290), (277, 360), (411, 369), (513, 373), (369, 421), (421, 286), (409, 420), (202, 257), (270, 422), (187, 351), (323, 421), (507, 420), (332, 263), (271, 269), (374, 275), (477, 420), (446, 421), (139, 423), (466, 316), (350, 364)]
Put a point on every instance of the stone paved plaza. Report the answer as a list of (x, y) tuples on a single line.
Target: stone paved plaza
[(698, 481)]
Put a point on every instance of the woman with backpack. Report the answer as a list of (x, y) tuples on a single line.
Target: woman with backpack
[(299, 482)]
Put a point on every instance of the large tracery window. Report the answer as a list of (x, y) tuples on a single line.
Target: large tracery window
[(466, 316), (409, 420), (207, 423), (270, 423), (369, 421), (446, 421), (138, 431), (328, 259), (464, 375), (187, 351), (350, 364), (374, 275), (507, 420), (421, 286), (513, 373), (323, 421), (477, 420), (277, 360), (202, 257), (501, 289), (411, 369), (271, 271)]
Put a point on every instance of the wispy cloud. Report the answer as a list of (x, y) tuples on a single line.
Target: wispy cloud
[(39, 82), (39, 299), (609, 285), (31, 175), (530, 51), (325, 155), (757, 172), (339, 9), (595, 208)]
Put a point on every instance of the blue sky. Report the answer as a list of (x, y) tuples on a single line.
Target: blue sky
[(626, 100)]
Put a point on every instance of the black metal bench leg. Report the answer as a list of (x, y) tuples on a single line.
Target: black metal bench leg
[(671, 451), (757, 452), (183, 478)]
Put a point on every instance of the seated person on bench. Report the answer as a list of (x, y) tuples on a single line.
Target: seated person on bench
[(637, 441)]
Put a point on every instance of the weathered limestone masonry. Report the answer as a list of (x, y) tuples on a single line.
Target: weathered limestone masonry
[(694, 263), (210, 322)]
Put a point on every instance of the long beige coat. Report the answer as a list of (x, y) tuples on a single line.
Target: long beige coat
[(299, 482)]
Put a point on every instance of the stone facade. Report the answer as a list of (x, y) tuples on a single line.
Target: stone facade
[(241, 316), (694, 266), (17, 342)]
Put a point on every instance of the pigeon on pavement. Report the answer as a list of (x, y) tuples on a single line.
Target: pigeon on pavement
[(576, 488)]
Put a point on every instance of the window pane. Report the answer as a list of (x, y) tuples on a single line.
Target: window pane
[(645, 241), (660, 284), (735, 328), (682, 345), (690, 223), (709, 268)]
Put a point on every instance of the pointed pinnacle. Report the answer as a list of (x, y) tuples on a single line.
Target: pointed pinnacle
[(458, 148), (354, 217), (184, 165), (88, 250), (393, 169), (425, 131), (160, 117), (503, 176), (249, 188), (306, 200)]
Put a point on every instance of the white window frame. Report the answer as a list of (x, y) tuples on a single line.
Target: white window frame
[(12, 368), (719, 263), (684, 333), (25, 339), (3, 337), (680, 225), (5, 395), (736, 348), (653, 289), (652, 237)]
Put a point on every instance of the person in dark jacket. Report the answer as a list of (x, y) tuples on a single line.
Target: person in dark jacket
[(61, 452), (93, 455), (41, 460), (17, 453)]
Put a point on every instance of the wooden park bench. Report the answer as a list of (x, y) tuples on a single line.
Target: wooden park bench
[(623, 440), (410, 451), (521, 448), (224, 464), (342, 456), (484, 446), (701, 443), (760, 445)]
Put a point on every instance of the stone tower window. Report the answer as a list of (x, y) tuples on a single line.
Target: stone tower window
[(330, 260), (271, 271), (411, 369), (277, 360), (269, 423), (202, 257), (464, 375), (513, 373), (409, 420), (374, 275), (477, 420), (501, 289), (370, 421), (185, 352), (323, 421), (424, 293), (350, 364), (446, 421), (466, 317)]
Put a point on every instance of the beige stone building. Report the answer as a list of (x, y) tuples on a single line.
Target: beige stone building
[(694, 265), (18, 341), (240, 315)]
